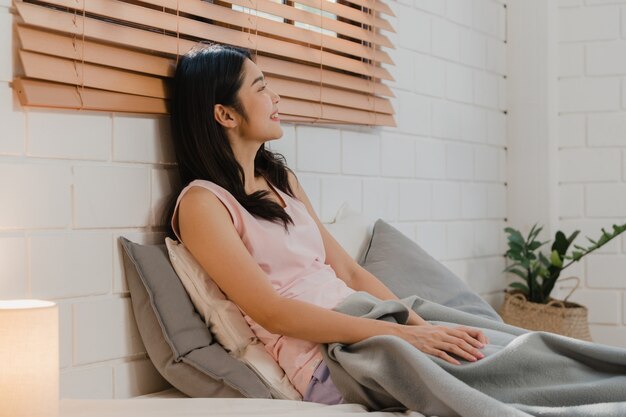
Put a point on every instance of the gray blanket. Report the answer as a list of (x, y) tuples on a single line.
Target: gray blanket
[(523, 373)]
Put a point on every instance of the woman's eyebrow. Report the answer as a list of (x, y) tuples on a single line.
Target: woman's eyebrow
[(257, 79)]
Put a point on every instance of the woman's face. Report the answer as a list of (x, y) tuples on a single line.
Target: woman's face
[(260, 104)]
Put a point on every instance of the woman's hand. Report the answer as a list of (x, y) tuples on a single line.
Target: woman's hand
[(440, 341)]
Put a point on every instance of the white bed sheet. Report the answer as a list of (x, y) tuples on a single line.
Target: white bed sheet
[(205, 407), (173, 403)]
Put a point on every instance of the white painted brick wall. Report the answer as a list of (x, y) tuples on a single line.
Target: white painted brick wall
[(606, 271), (430, 159), (474, 124), (335, 191), (13, 275), (446, 201), (446, 39), (571, 200), (361, 153), (415, 201), (605, 200), (572, 130), (397, 155), (474, 201), (589, 24), (459, 161), (592, 163), (111, 196), (604, 58), (585, 164), (606, 129), (412, 113), (571, 60), (6, 41), (70, 264), (94, 382), (142, 139), (473, 48), (318, 150), (431, 236), (49, 136), (12, 121), (34, 195), (164, 183), (430, 75), (446, 119), (589, 94), (459, 85), (69, 194), (104, 329), (380, 198)]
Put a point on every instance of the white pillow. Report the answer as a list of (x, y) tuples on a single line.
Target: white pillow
[(352, 230), (225, 321)]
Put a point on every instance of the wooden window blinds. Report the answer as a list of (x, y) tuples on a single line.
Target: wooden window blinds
[(323, 57)]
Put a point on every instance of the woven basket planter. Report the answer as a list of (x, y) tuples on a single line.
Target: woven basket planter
[(561, 317)]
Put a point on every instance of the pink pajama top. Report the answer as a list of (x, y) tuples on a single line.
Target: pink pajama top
[(294, 264)]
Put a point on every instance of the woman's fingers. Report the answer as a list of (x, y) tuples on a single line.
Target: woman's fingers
[(463, 334), (443, 355), (442, 341), (476, 334), (457, 350), (470, 352)]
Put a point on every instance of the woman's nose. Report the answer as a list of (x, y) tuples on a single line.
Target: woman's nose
[(276, 97)]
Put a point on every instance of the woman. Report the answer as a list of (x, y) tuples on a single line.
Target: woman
[(248, 222)]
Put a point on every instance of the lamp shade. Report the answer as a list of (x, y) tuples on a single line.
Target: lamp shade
[(29, 348)]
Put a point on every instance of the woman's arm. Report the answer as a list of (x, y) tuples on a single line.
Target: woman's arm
[(208, 233)]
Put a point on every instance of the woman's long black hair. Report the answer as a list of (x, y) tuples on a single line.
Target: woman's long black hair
[(207, 75)]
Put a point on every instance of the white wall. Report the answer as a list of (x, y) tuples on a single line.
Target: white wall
[(67, 193), (592, 156)]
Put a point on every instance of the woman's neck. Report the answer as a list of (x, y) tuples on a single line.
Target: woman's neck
[(245, 154)]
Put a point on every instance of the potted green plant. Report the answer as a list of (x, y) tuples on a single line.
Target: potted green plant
[(528, 303)]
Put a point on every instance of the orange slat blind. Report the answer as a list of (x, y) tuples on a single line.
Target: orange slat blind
[(323, 57)]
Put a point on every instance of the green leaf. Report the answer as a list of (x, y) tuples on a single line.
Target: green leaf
[(535, 245), (545, 261), (520, 273), (573, 236), (519, 286), (560, 244), (555, 258), (515, 236)]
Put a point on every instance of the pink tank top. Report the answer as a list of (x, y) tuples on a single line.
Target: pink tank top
[(294, 264)]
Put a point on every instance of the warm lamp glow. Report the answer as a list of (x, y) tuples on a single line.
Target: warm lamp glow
[(29, 348)]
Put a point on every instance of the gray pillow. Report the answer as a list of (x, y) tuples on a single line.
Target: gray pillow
[(177, 341), (406, 269)]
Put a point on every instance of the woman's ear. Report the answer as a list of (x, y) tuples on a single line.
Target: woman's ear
[(225, 116)]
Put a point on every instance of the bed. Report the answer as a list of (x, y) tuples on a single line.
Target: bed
[(201, 368), (172, 403)]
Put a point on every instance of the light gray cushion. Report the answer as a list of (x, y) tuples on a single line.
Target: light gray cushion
[(176, 339), (406, 269)]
